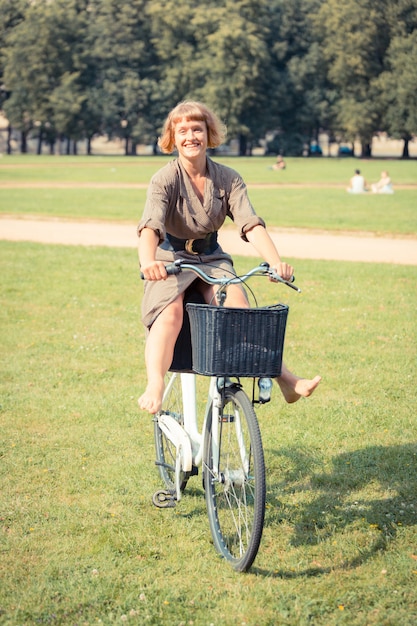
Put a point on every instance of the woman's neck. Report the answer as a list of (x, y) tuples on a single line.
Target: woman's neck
[(195, 168)]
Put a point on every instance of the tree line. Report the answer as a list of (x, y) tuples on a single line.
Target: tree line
[(74, 69)]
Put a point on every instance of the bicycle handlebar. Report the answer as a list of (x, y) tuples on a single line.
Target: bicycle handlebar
[(179, 265)]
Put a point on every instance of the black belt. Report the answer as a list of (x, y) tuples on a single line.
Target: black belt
[(192, 246)]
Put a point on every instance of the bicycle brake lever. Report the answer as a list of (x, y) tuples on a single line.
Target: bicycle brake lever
[(289, 283)]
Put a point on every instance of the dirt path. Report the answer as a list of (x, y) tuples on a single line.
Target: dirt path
[(299, 244)]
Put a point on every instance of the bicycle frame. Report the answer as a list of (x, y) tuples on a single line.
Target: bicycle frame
[(187, 439)]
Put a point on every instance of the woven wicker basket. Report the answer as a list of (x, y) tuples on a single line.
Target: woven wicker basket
[(237, 342)]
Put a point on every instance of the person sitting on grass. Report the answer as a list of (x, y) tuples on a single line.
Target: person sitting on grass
[(187, 202), (384, 184), (279, 164), (357, 183)]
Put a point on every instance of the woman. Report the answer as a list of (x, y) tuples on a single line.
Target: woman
[(384, 184), (188, 201), (279, 163)]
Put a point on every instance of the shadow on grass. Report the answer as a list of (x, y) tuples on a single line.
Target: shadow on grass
[(372, 488)]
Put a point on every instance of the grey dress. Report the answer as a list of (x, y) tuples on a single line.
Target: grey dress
[(173, 207)]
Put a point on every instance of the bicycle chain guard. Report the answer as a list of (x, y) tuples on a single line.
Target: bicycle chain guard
[(164, 499)]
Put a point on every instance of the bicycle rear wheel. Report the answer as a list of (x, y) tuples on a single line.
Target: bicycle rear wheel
[(165, 450), (234, 480)]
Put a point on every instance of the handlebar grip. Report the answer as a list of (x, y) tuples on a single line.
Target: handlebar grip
[(171, 269), (279, 279)]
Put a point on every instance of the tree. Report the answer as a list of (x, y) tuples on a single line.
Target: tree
[(43, 49), (398, 89), (303, 94), (236, 60), (177, 68), (74, 68), (119, 35), (355, 37), (11, 14)]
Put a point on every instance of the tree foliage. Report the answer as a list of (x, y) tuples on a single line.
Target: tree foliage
[(77, 68)]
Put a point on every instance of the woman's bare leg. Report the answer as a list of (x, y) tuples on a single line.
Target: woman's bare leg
[(159, 352), (292, 387)]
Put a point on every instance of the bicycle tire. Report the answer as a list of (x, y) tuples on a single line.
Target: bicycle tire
[(235, 498), (165, 450)]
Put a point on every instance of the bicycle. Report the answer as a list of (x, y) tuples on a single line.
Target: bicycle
[(227, 344)]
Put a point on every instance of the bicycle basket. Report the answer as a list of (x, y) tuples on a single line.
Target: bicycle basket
[(237, 342)]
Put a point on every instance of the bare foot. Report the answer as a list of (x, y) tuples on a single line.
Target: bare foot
[(294, 388), (151, 399)]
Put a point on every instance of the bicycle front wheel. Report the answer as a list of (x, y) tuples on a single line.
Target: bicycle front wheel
[(234, 479)]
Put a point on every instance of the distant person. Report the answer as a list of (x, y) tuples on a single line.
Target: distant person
[(279, 163), (357, 183), (384, 185)]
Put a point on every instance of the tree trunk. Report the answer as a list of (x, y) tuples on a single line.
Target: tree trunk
[(242, 145), (23, 142), (40, 137), (366, 150), (9, 139), (406, 152), (61, 140)]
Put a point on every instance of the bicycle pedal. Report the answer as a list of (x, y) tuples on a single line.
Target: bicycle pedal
[(164, 499)]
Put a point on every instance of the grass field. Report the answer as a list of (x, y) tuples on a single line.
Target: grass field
[(310, 193), (81, 542)]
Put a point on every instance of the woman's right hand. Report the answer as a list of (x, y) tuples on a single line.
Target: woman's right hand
[(155, 270)]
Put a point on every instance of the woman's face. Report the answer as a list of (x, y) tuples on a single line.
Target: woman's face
[(190, 138)]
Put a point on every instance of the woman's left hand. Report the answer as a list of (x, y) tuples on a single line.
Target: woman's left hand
[(284, 270)]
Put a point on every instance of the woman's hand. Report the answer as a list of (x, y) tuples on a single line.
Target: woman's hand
[(149, 266), (284, 270), (155, 270)]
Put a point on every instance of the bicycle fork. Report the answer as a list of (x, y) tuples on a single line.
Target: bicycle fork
[(227, 477)]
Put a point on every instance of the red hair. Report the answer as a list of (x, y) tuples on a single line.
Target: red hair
[(194, 111)]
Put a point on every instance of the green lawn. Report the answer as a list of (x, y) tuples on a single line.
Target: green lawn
[(125, 170), (300, 197), (81, 542)]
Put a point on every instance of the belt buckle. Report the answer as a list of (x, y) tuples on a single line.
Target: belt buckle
[(189, 247)]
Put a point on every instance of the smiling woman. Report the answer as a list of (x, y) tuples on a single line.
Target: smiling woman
[(187, 203)]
